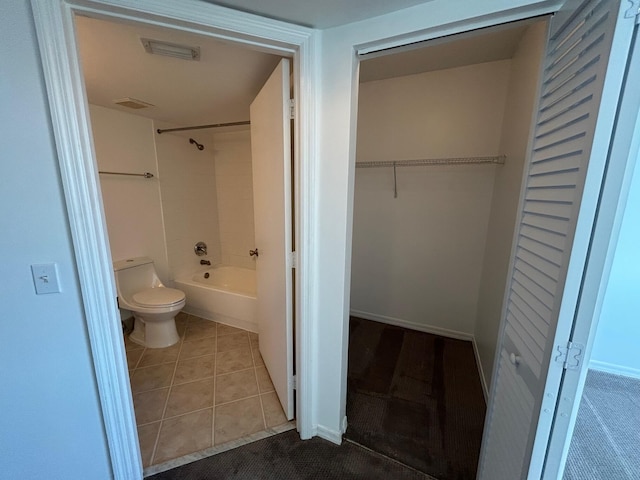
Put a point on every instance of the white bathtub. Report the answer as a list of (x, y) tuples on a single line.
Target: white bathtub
[(227, 296)]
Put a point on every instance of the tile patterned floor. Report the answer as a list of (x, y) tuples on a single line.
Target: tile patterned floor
[(210, 388)]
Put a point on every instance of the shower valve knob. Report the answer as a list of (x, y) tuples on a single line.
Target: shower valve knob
[(253, 253)]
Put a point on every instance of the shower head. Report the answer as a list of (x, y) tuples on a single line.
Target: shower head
[(199, 145)]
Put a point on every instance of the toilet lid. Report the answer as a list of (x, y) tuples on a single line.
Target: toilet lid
[(154, 297)]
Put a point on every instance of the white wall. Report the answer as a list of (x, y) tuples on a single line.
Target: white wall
[(417, 259), (132, 205), (617, 343), (523, 85), (333, 179), (189, 202), (50, 417), (234, 183)]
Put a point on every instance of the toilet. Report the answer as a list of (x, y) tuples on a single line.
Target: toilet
[(154, 306)]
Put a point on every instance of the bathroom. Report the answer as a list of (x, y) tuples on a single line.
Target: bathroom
[(199, 192)]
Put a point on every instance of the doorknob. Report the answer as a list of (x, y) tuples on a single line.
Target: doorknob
[(253, 253), (515, 359)]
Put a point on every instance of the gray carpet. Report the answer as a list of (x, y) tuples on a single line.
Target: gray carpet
[(286, 457), (606, 439), (415, 397)]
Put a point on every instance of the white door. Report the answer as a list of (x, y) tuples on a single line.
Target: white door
[(568, 151), (271, 158)]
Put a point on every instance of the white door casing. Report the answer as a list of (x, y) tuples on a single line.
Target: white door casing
[(271, 165), (562, 179)]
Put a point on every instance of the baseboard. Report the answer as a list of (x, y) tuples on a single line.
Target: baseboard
[(328, 434), (483, 381), (615, 369), (412, 325)]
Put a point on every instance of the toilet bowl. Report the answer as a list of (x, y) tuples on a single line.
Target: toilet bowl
[(154, 306)]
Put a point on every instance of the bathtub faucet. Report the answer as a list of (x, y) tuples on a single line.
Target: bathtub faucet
[(205, 262)]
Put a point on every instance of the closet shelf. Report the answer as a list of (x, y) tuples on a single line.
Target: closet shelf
[(494, 160)]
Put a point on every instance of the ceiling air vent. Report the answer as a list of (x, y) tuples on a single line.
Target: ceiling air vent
[(158, 47), (132, 103)]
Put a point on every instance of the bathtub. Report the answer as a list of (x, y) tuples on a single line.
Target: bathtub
[(227, 296)]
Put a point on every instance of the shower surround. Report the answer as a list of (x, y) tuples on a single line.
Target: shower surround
[(195, 195)]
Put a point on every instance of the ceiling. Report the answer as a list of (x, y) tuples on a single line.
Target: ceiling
[(479, 46), (217, 89), (319, 13), (220, 87)]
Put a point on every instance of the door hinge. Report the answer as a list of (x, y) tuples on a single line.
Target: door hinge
[(570, 356), (294, 382), (292, 260), (292, 108)]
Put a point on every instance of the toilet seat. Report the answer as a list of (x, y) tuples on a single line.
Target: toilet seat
[(158, 297)]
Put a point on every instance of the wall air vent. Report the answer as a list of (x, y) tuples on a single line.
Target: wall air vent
[(132, 103), (158, 47)]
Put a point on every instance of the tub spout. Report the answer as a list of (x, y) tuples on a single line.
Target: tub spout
[(205, 262)]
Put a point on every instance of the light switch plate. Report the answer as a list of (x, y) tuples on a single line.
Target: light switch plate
[(45, 278)]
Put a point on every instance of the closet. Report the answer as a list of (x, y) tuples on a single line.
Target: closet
[(442, 140)]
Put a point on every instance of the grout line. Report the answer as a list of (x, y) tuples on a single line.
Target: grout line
[(255, 371), (166, 402), (235, 371), (215, 386), (238, 399)]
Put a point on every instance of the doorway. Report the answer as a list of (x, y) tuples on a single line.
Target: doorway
[(80, 173), (442, 142), (220, 383)]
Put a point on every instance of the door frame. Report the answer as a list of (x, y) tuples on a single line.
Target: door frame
[(54, 21), (386, 46)]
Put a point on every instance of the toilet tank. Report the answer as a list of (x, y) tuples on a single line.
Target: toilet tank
[(135, 274)]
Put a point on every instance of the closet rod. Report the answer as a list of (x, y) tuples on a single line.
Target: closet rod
[(199, 127), (145, 174), (494, 160)]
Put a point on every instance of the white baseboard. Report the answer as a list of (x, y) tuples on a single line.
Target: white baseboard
[(614, 369), (483, 381), (328, 434), (412, 325)]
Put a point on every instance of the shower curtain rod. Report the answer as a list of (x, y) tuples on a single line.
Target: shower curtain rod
[(199, 127)]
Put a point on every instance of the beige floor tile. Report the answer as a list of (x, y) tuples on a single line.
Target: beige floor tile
[(233, 360), (156, 356), (150, 378), (253, 338), (273, 413), (188, 397), (150, 405), (133, 356), (129, 345), (147, 435), (194, 319), (232, 341), (228, 330), (183, 435), (194, 369), (197, 331), (197, 348), (234, 386), (237, 419), (257, 358), (181, 324), (264, 380)]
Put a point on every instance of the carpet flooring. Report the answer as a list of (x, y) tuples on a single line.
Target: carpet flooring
[(416, 398), (606, 438), (286, 457)]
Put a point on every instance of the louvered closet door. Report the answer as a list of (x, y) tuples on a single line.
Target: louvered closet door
[(552, 234)]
